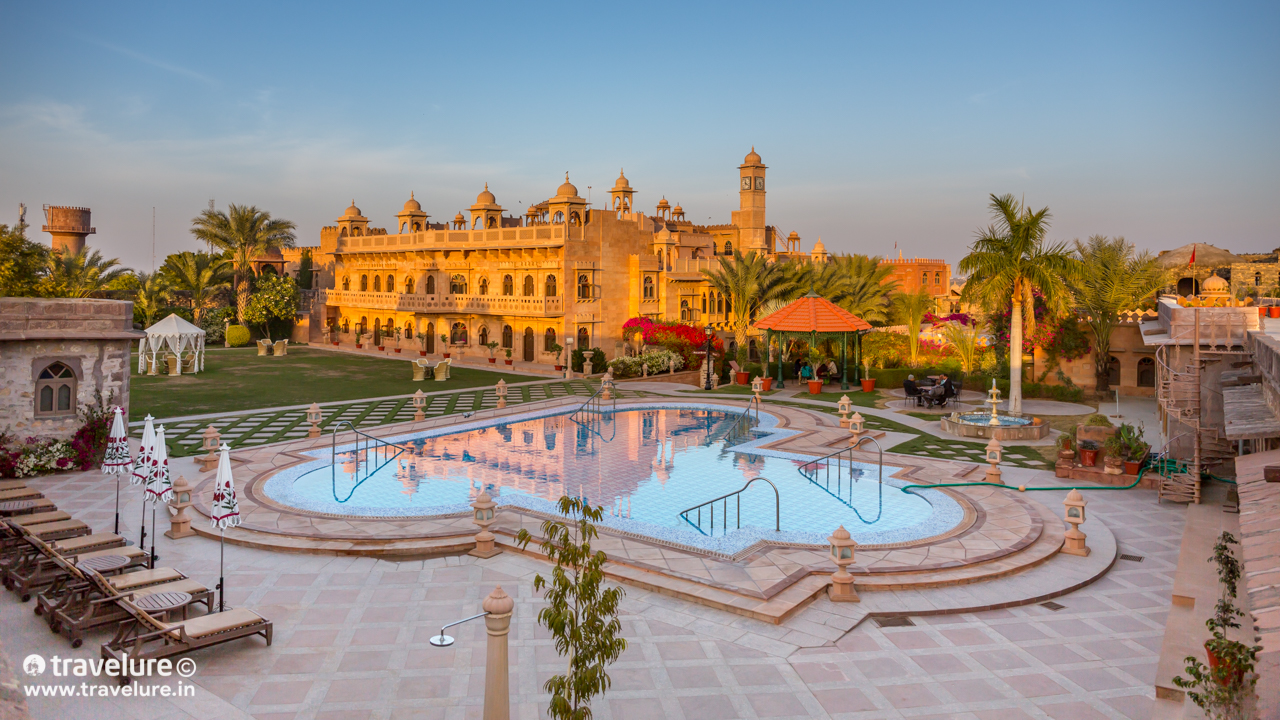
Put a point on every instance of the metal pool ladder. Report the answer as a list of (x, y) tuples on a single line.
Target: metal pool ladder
[(819, 473), (742, 423), (371, 455), (591, 413), (737, 495)]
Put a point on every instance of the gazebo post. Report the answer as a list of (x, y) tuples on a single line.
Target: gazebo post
[(844, 361), (780, 383)]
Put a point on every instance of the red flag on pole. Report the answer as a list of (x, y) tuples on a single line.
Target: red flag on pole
[(1193, 256)]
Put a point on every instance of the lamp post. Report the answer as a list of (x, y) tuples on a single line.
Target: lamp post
[(419, 402), (314, 416), (845, 406), (210, 442), (856, 425), (842, 546), (498, 608), (1073, 543), (706, 360), (482, 510), (501, 391), (757, 386), (179, 523), (993, 456)]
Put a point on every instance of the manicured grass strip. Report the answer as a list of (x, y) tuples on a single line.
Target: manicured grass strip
[(947, 449)]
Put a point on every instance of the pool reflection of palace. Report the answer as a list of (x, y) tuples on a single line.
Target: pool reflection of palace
[(552, 457)]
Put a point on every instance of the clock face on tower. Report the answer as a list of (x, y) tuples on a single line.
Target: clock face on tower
[(759, 183), (746, 183)]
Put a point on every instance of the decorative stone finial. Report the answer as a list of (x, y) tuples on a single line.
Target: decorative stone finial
[(498, 602)]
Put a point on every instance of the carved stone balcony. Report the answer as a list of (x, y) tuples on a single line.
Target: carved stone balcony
[(525, 306)]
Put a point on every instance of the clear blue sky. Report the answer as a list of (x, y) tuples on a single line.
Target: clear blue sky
[(881, 123)]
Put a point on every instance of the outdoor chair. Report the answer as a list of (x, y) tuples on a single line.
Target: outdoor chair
[(420, 369), (441, 370), (39, 505), (26, 566), (281, 348), (264, 347), (916, 395), (189, 365), (143, 637), (93, 602), (12, 484), (19, 493)]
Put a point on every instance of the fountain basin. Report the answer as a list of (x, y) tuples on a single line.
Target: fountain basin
[(1008, 427)]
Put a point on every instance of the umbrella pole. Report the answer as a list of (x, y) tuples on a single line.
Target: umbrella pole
[(142, 537), (222, 545), (117, 530), (154, 557)]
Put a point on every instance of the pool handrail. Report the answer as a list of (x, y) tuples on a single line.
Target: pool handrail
[(777, 508), (809, 471), (741, 426), (375, 443), (595, 403)]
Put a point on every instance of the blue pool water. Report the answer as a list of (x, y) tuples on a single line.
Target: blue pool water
[(644, 466), (985, 419)]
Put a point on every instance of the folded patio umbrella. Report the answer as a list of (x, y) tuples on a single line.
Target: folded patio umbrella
[(224, 514), (117, 461), (143, 467), (159, 487)]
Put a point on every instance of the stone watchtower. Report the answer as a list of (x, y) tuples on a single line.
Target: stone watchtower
[(750, 216), (69, 226)]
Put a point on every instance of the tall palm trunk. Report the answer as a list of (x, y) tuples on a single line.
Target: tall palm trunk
[(1015, 356), (242, 297), (1102, 356)]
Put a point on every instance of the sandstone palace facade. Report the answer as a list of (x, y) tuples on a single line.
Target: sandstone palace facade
[(562, 273)]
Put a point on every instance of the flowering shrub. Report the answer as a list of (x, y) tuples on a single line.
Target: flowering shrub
[(962, 318), (679, 338), (274, 301), (658, 361), (1060, 338), (82, 452), (40, 456), (89, 443)]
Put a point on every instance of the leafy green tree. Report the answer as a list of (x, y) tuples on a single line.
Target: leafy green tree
[(243, 232), (1011, 260), (581, 613), (151, 295), (747, 282), (857, 283), (910, 308), (1115, 278), (964, 338), (80, 275), (198, 278), (22, 263), (274, 301)]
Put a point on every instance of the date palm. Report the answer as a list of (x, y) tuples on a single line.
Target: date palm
[(151, 295), (911, 309), (1115, 278), (244, 232), (199, 277), (747, 281), (80, 274), (1010, 261)]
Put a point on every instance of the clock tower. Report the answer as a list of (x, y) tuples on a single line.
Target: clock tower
[(750, 214)]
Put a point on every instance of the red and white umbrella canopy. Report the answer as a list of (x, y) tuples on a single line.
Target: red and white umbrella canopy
[(225, 512), (144, 466), (159, 487), (117, 461)]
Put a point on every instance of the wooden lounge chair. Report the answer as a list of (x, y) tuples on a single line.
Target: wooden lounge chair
[(22, 493), (143, 637), (86, 545), (93, 602), (12, 484), (59, 530), (38, 505), (23, 566), (27, 521), (69, 578)]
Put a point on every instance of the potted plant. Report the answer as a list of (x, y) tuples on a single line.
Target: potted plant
[(1135, 448), (492, 346), (868, 382), (1222, 687), (377, 338), (743, 376), (444, 343), (1113, 460), (508, 360), (556, 349), (359, 338), (422, 340), (1088, 452), (398, 331), (1066, 447)]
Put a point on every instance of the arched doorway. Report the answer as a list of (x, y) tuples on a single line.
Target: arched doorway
[(1186, 286), (1113, 371), (528, 344), (1147, 372), (431, 337)]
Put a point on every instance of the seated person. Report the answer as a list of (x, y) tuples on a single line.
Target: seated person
[(910, 388), (806, 372), (832, 370)]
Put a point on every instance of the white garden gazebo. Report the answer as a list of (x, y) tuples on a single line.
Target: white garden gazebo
[(173, 336)]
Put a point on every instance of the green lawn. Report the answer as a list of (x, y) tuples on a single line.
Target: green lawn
[(237, 379)]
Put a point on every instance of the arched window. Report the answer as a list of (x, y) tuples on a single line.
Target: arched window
[(483, 336), (458, 285), (719, 304), (417, 226), (391, 283), (584, 287), (458, 334), (684, 310), (648, 288), (346, 283), (364, 283), (377, 324), (506, 336), (404, 227), (508, 285), (937, 278), (408, 285), (528, 286), (558, 217), (408, 330), (493, 223), (475, 223), (343, 233), (346, 325), (1257, 279), (924, 278), (584, 341), (548, 340), (357, 231), (551, 286), (753, 350), (363, 327), (56, 391), (431, 285), (389, 328), (1146, 372), (1113, 371), (377, 283), (575, 218), (704, 303), (728, 247), (728, 306)]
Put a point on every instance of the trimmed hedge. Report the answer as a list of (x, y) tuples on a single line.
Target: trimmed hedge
[(237, 336)]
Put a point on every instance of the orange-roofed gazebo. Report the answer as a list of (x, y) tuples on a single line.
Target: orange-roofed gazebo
[(814, 315)]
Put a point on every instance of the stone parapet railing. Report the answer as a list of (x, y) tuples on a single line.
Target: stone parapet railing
[(528, 306)]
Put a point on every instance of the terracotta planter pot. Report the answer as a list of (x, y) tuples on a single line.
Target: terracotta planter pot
[(559, 368), (1234, 674), (815, 387), (422, 353), (335, 344), (382, 348), (508, 361), (359, 345), (397, 349), (493, 361), (767, 384), (1274, 311), (742, 378), (446, 354), (868, 384), (1132, 467), (1262, 312), (1088, 458)]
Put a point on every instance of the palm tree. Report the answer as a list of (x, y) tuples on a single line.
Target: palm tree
[(151, 296), (80, 274), (201, 277), (964, 338), (244, 232), (911, 307), (1010, 260), (868, 285), (747, 282), (1115, 278)]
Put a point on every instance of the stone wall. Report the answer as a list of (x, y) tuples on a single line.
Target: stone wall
[(92, 337)]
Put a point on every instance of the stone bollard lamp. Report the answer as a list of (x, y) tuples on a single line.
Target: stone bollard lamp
[(757, 386), (1073, 544), (314, 416), (501, 391), (209, 443), (179, 523), (483, 516), (419, 402), (842, 546), (994, 453), (845, 406)]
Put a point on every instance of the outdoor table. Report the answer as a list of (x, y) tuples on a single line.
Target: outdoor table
[(163, 603), (16, 507), (104, 564)]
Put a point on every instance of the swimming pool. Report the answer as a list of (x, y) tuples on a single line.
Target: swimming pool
[(644, 465)]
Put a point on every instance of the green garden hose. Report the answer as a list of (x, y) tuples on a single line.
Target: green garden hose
[(1159, 465)]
